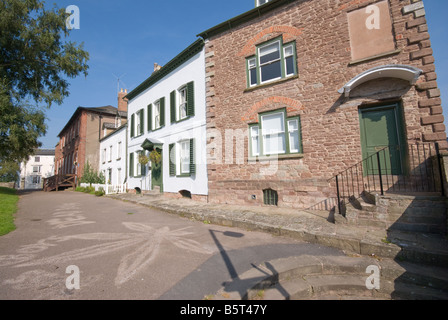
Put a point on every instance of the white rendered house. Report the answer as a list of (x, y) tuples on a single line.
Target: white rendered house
[(113, 156), (39, 166), (167, 120)]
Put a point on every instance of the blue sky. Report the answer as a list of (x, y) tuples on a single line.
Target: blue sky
[(126, 38)]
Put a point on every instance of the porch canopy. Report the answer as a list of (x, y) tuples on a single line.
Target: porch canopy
[(404, 72), (151, 144)]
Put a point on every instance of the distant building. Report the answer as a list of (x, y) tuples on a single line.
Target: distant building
[(36, 168), (80, 138), (113, 156)]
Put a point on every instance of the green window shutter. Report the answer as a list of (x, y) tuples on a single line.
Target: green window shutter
[(192, 160), (131, 164), (142, 121), (190, 99), (162, 111), (132, 125), (173, 106), (172, 159), (149, 117)]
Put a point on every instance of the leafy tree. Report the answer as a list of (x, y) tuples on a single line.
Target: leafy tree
[(92, 176), (35, 64), (8, 171)]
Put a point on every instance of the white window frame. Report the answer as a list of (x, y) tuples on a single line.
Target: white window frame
[(255, 140), (137, 123), (119, 150), (286, 56), (290, 133), (184, 159), (293, 131), (281, 132), (252, 65), (156, 115), (182, 103), (261, 65), (137, 165)]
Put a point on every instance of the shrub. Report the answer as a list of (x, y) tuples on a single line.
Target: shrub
[(92, 176), (80, 189), (99, 193), (89, 190)]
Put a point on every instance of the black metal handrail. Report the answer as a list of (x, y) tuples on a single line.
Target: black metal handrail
[(416, 168)]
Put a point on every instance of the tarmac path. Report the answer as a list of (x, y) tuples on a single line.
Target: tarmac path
[(122, 250)]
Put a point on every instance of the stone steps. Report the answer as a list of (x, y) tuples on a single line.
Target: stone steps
[(336, 277)]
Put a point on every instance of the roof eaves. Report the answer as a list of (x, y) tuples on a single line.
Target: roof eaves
[(243, 18)]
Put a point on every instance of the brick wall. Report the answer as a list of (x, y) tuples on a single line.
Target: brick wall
[(330, 122)]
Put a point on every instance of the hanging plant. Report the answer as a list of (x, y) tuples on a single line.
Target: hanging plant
[(155, 157), (142, 159)]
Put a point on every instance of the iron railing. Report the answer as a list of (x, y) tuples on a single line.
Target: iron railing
[(414, 169)]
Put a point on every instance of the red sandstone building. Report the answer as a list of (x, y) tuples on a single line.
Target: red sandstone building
[(80, 138), (315, 87)]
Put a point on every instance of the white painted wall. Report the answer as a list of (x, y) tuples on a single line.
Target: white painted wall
[(115, 162), (28, 176), (194, 127)]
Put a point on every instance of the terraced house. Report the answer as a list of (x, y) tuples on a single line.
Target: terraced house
[(167, 128), (299, 91)]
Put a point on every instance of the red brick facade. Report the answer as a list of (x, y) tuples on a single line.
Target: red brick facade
[(330, 123), (80, 139)]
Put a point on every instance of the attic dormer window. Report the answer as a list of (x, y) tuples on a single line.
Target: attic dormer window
[(261, 2)]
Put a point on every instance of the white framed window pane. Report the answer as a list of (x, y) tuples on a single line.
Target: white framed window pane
[(182, 103), (183, 111), (270, 53), (156, 115), (274, 143), (185, 157), (293, 125), (138, 167), (271, 71), (255, 141), (293, 129), (137, 121), (273, 123), (270, 64), (289, 51), (289, 65), (252, 72)]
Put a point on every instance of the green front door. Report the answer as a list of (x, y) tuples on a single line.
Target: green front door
[(156, 175), (382, 127)]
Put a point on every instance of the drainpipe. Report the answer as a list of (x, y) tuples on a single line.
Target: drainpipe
[(99, 127), (126, 155)]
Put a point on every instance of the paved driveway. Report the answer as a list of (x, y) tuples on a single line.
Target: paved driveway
[(125, 251)]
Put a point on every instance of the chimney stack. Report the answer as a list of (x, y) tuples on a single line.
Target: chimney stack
[(122, 103), (157, 67)]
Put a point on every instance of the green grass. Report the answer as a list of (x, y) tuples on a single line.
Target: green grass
[(8, 207)]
